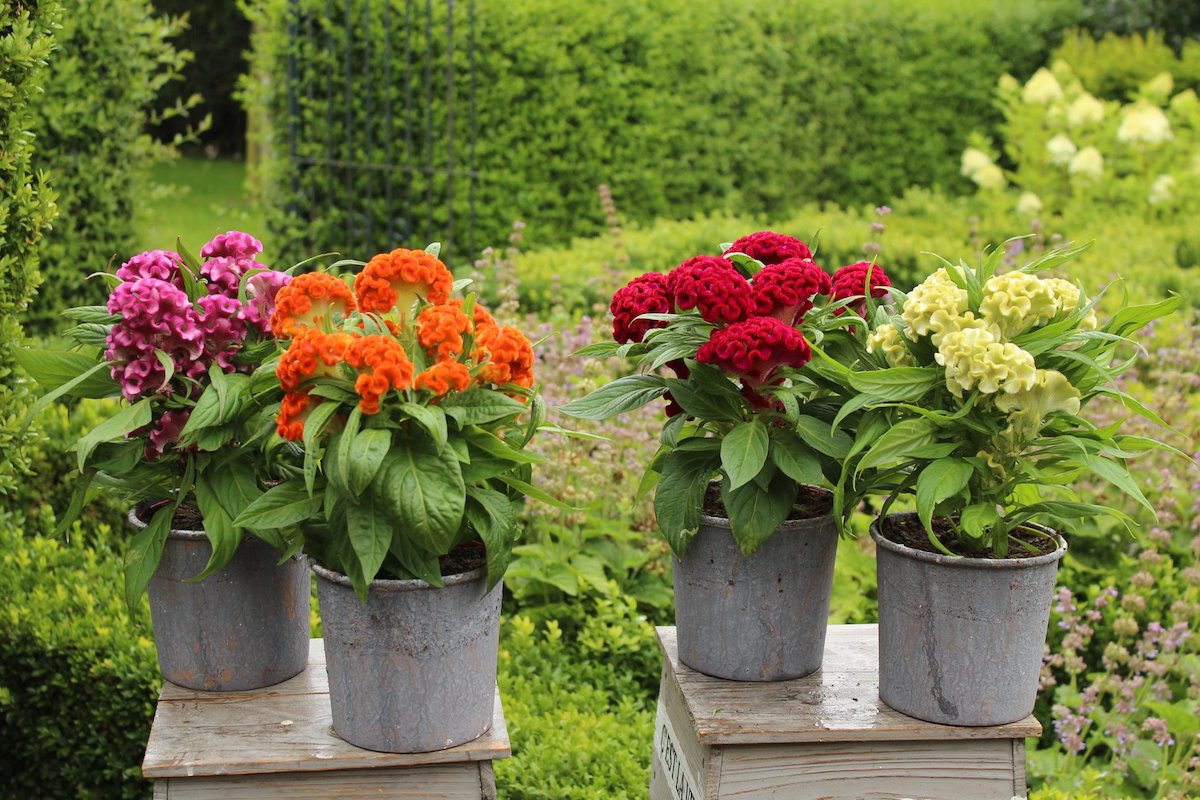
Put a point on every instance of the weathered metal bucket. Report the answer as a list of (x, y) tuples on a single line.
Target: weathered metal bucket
[(244, 627), (414, 669), (757, 618), (961, 639)]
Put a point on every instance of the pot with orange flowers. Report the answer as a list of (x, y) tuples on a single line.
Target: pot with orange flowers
[(754, 340), (412, 409)]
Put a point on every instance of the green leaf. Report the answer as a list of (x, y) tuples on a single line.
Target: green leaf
[(431, 418), (366, 457), (1118, 475), (940, 481), (709, 403), (904, 384), (222, 534), (756, 513), (492, 516), (78, 498), (902, 441), (679, 497), (280, 507), (977, 519), (599, 350), (423, 492), (821, 437), (45, 400), (417, 562), (370, 530), (489, 443), (479, 406), (115, 427), (168, 365), (529, 490), (52, 370), (314, 426), (142, 557), (744, 451), (794, 458), (623, 394), (96, 315)]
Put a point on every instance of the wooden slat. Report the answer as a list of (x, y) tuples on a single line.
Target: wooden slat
[(838, 703), (445, 782), (284, 728)]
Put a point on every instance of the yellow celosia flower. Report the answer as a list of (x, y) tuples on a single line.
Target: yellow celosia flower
[(1042, 88), (887, 339), (1085, 110), (975, 360), (1144, 124), (934, 307), (1061, 149), (990, 458), (1028, 408), (1087, 165), (1014, 302), (1067, 298)]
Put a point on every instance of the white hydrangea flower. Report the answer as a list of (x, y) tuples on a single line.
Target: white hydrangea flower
[(973, 160), (1144, 124), (1087, 164), (1042, 88), (1029, 204), (1159, 88), (1161, 191), (1085, 110), (1184, 101), (990, 177), (1061, 149), (1008, 84)]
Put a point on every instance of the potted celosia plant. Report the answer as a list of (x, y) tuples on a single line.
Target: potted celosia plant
[(977, 389), (750, 406), (176, 343), (413, 408)]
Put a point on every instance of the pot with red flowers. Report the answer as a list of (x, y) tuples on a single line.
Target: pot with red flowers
[(410, 409), (174, 348), (745, 349)]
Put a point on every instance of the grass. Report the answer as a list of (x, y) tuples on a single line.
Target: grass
[(194, 199)]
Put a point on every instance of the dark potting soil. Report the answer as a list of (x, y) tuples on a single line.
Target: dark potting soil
[(906, 529), (463, 558), (187, 516), (810, 503)]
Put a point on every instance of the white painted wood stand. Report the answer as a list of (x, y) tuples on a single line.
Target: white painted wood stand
[(827, 736), (279, 743)]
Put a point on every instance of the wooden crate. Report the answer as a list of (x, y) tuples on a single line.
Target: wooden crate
[(279, 743), (824, 737)]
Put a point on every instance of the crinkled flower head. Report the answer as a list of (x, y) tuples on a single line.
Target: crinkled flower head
[(752, 350), (234, 244), (1028, 408), (768, 247), (1061, 149), (443, 377), (293, 413), (1067, 298), (310, 301), (440, 329), (261, 289), (161, 265), (383, 365), (973, 160), (164, 432), (224, 274), (851, 281), (311, 354), (1144, 124), (712, 286), (975, 360), (395, 281), (1014, 302), (786, 290), (646, 294), (1042, 88), (506, 355), (221, 320), (1087, 165), (1085, 110), (155, 315), (888, 340), (936, 307)]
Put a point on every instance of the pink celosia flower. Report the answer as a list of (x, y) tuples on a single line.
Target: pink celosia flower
[(224, 274), (155, 315), (224, 329), (234, 244), (714, 287), (165, 432), (769, 247), (261, 289), (162, 265), (785, 290)]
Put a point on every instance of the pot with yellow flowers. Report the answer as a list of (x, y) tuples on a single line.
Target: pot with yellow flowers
[(752, 340), (412, 408), (976, 394)]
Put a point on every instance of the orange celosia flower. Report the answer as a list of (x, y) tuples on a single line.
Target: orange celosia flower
[(440, 329), (394, 281), (293, 413), (482, 318), (384, 365), (444, 376), (310, 354), (308, 301), (508, 354)]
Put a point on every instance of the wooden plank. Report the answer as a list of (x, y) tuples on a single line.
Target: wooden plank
[(1018, 756), (278, 729), (838, 703), (979, 769), (446, 782)]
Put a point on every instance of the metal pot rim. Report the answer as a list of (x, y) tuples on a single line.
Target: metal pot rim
[(136, 520), (969, 562), (393, 585)]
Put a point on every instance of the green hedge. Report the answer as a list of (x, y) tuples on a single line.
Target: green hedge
[(26, 208), (683, 107), (113, 57)]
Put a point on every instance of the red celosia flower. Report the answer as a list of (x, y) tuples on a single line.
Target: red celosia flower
[(785, 290), (769, 247), (394, 281), (308, 301), (440, 329), (507, 356), (645, 294), (753, 349), (293, 413), (310, 354), (383, 365), (444, 376), (681, 371), (714, 287), (851, 281)]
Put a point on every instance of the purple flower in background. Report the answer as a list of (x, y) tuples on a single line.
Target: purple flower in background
[(161, 265), (236, 245)]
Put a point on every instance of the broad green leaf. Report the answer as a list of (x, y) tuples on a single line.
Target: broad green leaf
[(623, 394), (370, 531), (126, 420), (794, 459), (679, 497), (904, 440), (90, 315), (78, 498), (431, 418), (977, 519), (489, 443), (52, 370), (345, 447), (218, 526), (1118, 475), (744, 451), (423, 492), (707, 404), (755, 513), (142, 557), (366, 457), (492, 516), (907, 384), (821, 437), (417, 562), (222, 402), (314, 426), (280, 507), (599, 350), (45, 400), (529, 490), (940, 481)]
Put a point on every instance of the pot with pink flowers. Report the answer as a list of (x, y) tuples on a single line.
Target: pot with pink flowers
[(177, 347), (756, 424)]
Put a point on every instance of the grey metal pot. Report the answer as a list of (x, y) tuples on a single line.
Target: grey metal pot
[(244, 627), (757, 618), (414, 669), (961, 639)]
